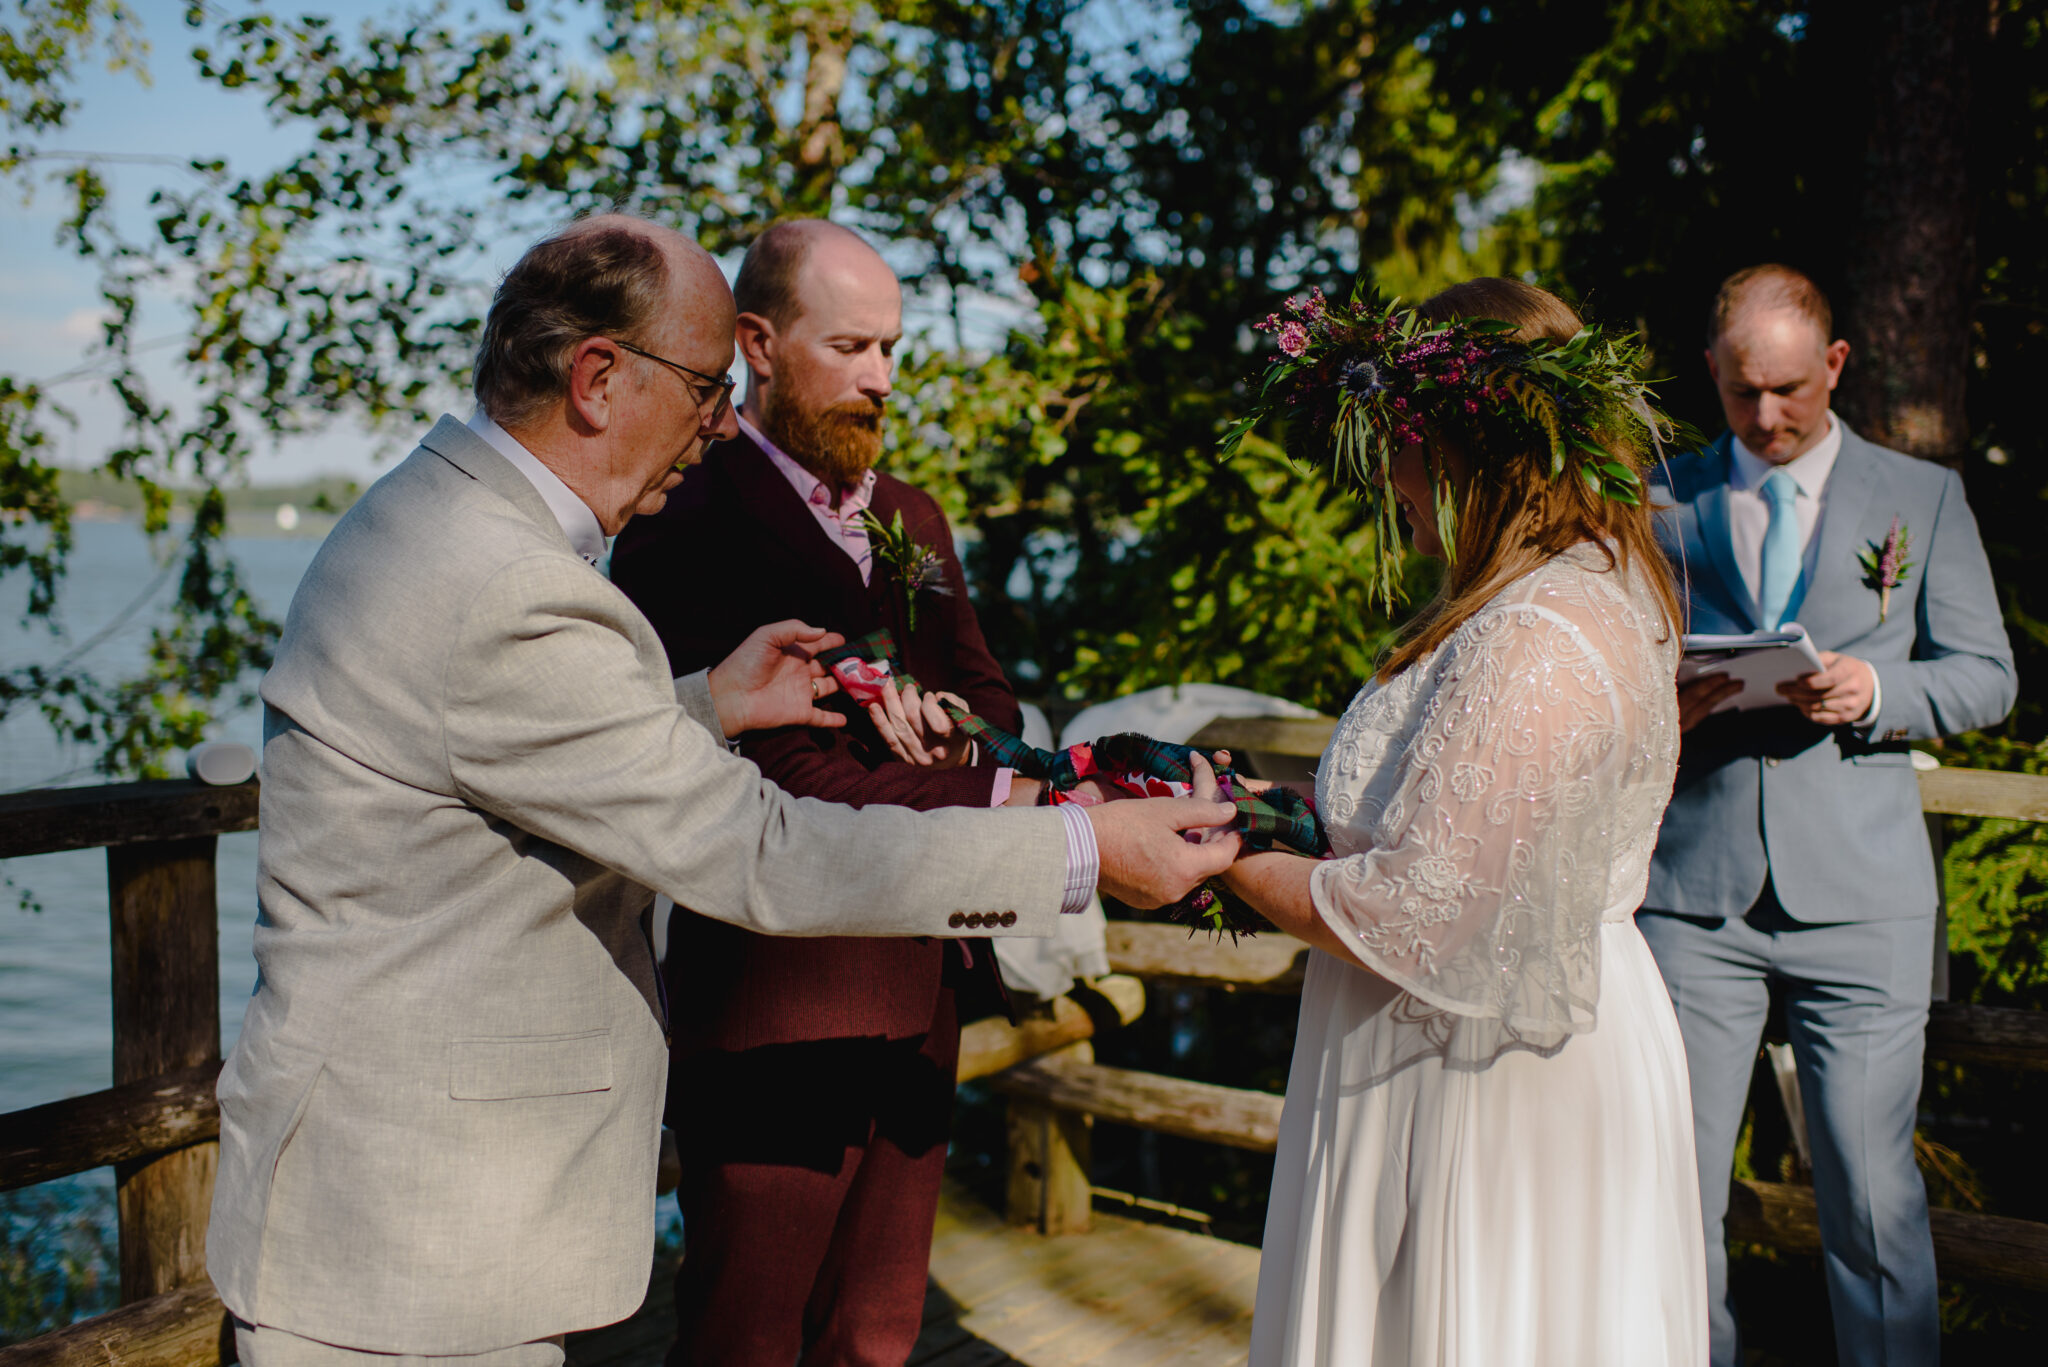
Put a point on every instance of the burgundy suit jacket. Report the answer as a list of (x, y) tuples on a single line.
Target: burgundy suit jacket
[(734, 549)]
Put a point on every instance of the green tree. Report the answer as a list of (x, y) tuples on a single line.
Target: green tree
[(215, 636), (1138, 197)]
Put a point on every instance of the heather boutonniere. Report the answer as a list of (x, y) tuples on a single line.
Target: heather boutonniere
[(1885, 566), (914, 566)]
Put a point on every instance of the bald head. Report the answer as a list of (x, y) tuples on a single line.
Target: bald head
[(609, 275), (1770, 353), (1769, 288), (776, 276), (820, 314)]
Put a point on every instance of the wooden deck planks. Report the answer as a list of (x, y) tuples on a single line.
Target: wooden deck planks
[(1129, 1294)]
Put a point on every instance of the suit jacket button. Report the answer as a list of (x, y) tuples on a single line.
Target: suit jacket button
[(1771, 761), (957, 920), (1009, 918)]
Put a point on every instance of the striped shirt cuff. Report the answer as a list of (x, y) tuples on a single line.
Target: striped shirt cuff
[(1084, 860)]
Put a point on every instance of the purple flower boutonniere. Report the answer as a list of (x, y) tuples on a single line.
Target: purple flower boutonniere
[(914, 566), (1885, 566)]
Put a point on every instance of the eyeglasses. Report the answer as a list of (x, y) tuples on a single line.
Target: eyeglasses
[(723, 384)]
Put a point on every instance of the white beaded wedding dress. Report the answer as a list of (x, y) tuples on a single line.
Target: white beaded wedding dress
[(1486, 1156)]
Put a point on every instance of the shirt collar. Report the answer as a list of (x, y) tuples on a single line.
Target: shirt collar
[(1810, 471), (808, 486), (579, 524)]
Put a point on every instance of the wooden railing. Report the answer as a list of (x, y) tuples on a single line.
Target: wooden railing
[(158, 1124), (1968, 1246)]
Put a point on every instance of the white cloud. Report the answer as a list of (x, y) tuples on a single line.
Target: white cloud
[(82, 325)]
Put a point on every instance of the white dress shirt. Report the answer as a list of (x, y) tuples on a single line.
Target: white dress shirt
[(1749, 517), (579, 524), (1749, 512)]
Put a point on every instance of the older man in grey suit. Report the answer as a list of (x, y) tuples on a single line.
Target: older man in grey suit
[(1793, 854), (439, 1126)]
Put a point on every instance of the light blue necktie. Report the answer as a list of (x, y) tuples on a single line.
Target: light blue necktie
[(1781, 548)]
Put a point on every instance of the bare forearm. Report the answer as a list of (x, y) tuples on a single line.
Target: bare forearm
[(1277, 887)]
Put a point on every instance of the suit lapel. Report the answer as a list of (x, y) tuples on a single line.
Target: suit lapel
[(763, 489), (1837, 576), (1718, 541)]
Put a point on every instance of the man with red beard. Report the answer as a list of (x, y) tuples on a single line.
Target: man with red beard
[(817, 1075)]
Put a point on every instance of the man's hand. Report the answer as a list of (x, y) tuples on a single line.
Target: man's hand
[(1838, 695), (774, 679), (917, 729), (1146, 861), (1697, 698)]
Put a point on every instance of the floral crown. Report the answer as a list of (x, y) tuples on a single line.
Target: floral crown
[(1355, 382)]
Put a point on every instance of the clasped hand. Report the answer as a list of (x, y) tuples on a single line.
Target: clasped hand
[(918, 730), (1157, 850)]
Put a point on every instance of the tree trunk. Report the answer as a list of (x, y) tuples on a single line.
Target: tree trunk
[(1911, 270)]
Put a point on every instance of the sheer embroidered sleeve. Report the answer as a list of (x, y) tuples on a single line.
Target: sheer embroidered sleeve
[(1488, 863)]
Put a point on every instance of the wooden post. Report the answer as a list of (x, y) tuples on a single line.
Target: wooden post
[(1049, 1160), (166, 984)]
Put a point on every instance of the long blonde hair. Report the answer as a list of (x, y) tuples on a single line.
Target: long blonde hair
[(1512, 515)]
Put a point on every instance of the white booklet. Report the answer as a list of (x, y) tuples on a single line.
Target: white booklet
[(1761, 659)]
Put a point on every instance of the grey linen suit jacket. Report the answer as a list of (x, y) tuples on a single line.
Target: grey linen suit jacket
[(439, 1127), (1831, 815)]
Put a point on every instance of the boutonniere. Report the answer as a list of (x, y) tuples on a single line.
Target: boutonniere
[(1885, 566), (914, 566)]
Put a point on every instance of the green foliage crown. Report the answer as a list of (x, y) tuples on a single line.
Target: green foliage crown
[(1353, 383)]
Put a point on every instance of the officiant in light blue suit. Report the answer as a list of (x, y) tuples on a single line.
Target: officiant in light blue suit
[(1794, 854)]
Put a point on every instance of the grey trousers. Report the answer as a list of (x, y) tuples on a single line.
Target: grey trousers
[(259, 1345), (1856, 998)]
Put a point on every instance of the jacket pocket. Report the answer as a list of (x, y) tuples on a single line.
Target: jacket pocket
[(508, 1068), (1884, 759)]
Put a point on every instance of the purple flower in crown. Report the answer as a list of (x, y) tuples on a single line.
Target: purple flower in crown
[(1294, 339), (1885, 565), (1310, 308)]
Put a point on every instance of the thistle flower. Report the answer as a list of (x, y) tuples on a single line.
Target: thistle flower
[(1361, 379), (914, 566)]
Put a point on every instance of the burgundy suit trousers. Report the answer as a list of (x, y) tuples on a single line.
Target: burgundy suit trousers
[(810, 1186)]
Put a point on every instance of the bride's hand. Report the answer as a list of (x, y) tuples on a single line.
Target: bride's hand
[(1207, 789), (1244, 781), (1266, 785)]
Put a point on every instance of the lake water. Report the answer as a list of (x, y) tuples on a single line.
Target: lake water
[(56, 1034)]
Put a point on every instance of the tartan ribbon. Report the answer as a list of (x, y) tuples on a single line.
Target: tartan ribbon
[(1278, 816)]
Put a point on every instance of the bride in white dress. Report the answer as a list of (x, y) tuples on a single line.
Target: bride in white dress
[(1486, 1155)]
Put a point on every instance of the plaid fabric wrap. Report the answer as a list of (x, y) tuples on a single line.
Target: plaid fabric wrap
[(1278, 816)]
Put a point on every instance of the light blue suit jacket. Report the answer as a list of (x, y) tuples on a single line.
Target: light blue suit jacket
[(1831, 814)]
